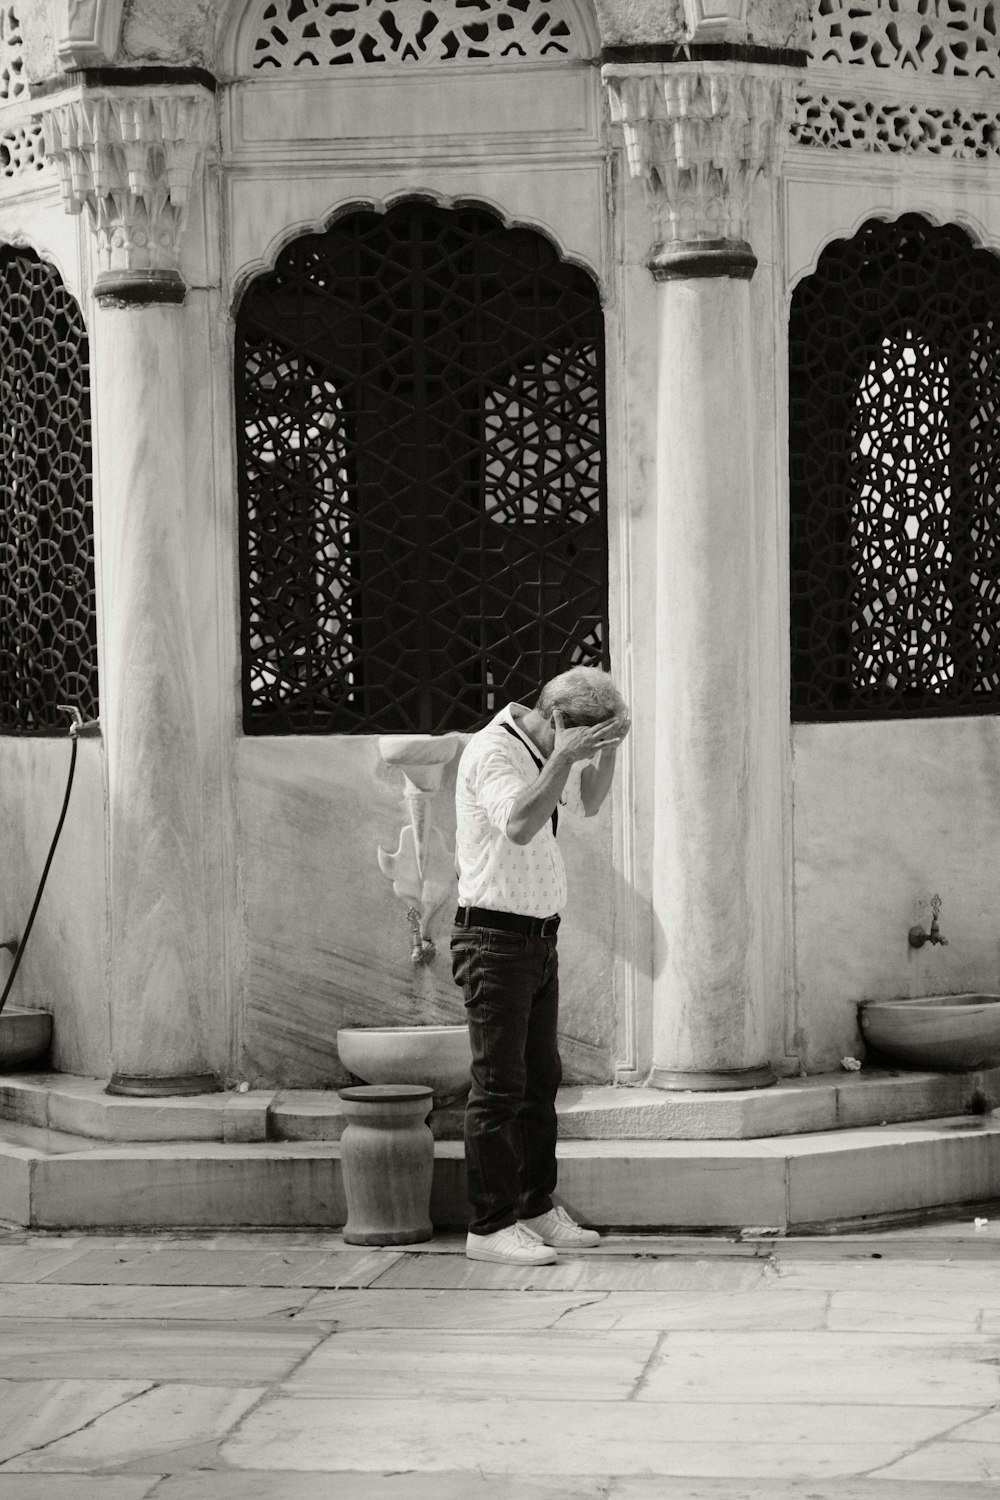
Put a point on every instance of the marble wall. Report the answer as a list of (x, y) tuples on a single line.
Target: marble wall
[(64, 968), (885, 815), (327, 941), (888, 815)]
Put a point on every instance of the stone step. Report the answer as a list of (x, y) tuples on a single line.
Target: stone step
[(793, 1106), (53, 1180)]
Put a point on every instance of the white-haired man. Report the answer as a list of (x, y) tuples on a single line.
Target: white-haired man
[(512, 777)]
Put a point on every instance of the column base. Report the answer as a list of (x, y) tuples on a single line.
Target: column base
[(165, 1086), (684, 260), (705, 1083)]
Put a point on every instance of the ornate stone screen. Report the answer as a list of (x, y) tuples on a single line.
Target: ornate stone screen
[(903, 76), (894, 373), (48, 638), (311, 34), (420, 419), (21, 153)]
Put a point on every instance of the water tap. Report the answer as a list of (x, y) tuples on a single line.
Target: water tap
[(423, 950), (918, 937)]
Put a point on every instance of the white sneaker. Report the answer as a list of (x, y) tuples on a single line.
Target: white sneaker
[(557, 1228), (513, 1246)]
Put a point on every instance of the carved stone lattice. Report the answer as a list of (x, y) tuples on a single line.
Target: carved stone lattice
[(894, 374), (943, 38), (698, 139), (48, 636), (332, 33), (885, 42), (13, 83), (22, 150), (420, 420), (130, 161), (958, 131)]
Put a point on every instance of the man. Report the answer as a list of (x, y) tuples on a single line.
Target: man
[(511, 887)]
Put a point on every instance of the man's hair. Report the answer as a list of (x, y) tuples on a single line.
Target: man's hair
[(583, 695)]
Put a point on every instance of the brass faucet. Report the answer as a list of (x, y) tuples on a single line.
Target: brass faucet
[(422, 949), (918, 937)]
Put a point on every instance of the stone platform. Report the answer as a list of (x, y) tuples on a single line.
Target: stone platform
[(793, 1106), (847, 1148)]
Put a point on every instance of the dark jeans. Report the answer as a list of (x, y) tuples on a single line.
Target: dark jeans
[(511, 987)]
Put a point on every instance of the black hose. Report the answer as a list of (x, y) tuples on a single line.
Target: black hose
[(45, 873)]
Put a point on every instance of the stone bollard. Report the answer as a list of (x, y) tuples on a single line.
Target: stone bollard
[(387, 1156)]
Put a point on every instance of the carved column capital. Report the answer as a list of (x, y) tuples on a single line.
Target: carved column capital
[(130, 158), (698, 135)]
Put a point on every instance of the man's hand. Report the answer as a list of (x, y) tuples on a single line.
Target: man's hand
[(588, 740), (595, 781)]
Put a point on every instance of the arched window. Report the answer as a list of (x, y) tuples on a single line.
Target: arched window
[(420, 421), (894, 376), (48, 636)]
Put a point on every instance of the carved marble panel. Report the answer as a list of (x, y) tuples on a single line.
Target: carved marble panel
[(319, 34)]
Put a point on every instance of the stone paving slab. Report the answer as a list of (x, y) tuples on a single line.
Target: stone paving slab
[(979, 1462), (769, 1307), (79, 1487), (479, 1486), (920, 1279), (462, 1486), (199, 1303), (590, 1271), (158, 1424), (243, 1354), (704, 1369), (744, 1439), (444, 1364), (36, 1411), (898, 1312), (494, 1311), (483, 1312), (142, 1266), (887, 1369)]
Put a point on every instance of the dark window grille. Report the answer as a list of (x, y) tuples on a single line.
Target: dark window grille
[(420, 423), (48, 634), (894, 375)]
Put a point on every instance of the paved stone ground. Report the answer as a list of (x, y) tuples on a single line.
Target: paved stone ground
[(292, 1367)]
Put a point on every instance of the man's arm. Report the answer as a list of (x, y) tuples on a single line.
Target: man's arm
[(595, 780), (534, 807)]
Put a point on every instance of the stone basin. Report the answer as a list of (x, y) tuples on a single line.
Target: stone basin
[(954, 1033), (437, 1056), (25, 1035)]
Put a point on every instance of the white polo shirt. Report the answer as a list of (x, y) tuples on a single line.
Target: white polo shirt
[(495, 768)]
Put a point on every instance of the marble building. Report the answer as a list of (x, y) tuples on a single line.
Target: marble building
[(361, 362)]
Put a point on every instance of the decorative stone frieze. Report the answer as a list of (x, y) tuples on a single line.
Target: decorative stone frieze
[(130, 158), (311, 34), (961, 132), (901, 77), (22, 152), (698, 136), (953, 40), (22, 156), (13, 83)]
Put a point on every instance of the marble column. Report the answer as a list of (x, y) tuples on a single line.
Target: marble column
[(697, 136), (129, 160)]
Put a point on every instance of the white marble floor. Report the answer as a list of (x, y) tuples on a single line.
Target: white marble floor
[(293, 1367)]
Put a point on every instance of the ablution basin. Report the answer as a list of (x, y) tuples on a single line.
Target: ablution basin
[(25, 1036), (437, 1056), (953, 1033)]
